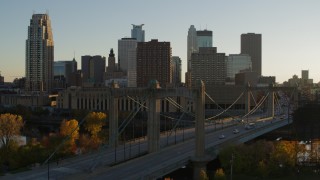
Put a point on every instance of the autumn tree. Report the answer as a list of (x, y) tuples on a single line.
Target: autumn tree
[(94, 122), (246, 158), (283, 158), (70, 129), (10, 126), (219, 174), (203, 175)]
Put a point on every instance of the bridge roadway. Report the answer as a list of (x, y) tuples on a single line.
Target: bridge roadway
[(157, 164), (151, 165)]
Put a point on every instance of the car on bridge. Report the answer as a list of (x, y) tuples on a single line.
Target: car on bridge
[(222, 136), (250, 126), (235, 131)]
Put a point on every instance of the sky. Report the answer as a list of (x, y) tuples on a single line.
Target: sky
[(290, 29)]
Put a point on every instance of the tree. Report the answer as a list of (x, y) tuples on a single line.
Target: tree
[(219, 174), (94, 122), (283, 158), (70, 128), (203, 175), (10, 126)]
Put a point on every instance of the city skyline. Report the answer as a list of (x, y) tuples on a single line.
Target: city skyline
[(290, 32)]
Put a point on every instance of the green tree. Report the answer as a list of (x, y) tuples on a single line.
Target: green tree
[(246, 157), (10, 126)]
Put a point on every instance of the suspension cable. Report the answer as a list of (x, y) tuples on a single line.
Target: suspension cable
[(254, 100), (257, 106), (217, 103), (225, 109)]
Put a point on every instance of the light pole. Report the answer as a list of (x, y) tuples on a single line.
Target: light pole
[(231, 162), (48, 170)]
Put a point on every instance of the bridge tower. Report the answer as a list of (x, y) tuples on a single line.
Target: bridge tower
[(247, 100), (271, 103), (113, 117), (200, 159), (153, 130)]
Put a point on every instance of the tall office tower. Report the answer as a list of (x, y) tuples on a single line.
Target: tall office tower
[(124, 46), (62, 71), (176, 70), (251, 45), (204, 38), (192, 44), (237, 63), (137, 32), (132, 68), (39, 54), (93, 68), (305, 74), (153, 63), (208, 66)]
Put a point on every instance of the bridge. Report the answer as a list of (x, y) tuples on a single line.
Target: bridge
[(151, 157)]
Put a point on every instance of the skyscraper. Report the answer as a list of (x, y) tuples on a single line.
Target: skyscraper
[(39, 54), (137, 32), (237, 63), (251, 45), (176, 70), (192, 44), (93, 68), (62, 71), (153, 63), (124, 45), (127, 48), (305, 74), (208, 66), (204, 38)]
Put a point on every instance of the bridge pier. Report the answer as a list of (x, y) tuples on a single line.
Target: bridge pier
[(153, 127), (198, 166), (153, 131), (271, 104), (200, 159), (247, 99), (113, 119)]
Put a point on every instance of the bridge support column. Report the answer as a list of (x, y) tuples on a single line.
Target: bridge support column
[(247, 102), (295, 99), (113, 119), (153, 131), (271, 104), (200, 159), (199, 166)]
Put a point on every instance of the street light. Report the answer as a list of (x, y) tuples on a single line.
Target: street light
[(231, 162)]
